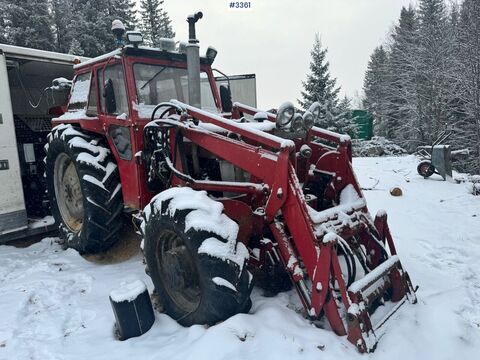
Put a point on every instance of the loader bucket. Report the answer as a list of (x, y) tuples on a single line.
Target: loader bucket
[(384, 285)]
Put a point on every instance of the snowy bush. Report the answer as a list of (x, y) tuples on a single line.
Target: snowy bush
[(377, 146)]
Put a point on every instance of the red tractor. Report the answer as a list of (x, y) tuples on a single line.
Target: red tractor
[(223, 189)]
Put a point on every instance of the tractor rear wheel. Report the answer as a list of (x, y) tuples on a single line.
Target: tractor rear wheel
[(197, 267), (425, 169), (84, 189)]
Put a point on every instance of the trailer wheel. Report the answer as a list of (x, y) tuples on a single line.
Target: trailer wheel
[(425, 169), (84, 189), (198, 269)]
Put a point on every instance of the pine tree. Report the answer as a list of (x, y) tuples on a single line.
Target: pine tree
[(76, 48), (125, 11), (29, 24), (468, 80), (92, 27), (401, 74), (345, 122), (3, 22), (435, 64), (155, 22), (62, 18), (319, 85), (375, 87)]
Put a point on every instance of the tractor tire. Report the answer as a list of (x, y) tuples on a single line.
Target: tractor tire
[(425, 169), (84, 189), (196, 265)]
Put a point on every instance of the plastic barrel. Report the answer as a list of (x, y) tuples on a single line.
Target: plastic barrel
[(133, 309)]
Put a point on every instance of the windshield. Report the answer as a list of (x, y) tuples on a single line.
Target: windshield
[(157, 83)]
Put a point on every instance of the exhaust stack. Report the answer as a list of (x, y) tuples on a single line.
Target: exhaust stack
[(193, 61)]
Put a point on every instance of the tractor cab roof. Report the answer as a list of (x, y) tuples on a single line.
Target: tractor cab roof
[(145, 52)]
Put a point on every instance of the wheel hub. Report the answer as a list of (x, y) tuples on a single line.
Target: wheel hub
[(178, 271), (68, 193)]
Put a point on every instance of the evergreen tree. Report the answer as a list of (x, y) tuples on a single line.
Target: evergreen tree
[(155, 22), (468, 80), (3, 22), (125, 11), (29, 24), (76, 48), (92, 27), (375, 87), (401, 74), (62, 18), (320, 86), (435, 64), (345, 122)]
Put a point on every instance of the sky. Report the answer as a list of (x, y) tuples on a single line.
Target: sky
[(274, 38)]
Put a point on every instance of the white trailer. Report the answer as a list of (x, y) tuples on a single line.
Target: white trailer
[(26, 109)]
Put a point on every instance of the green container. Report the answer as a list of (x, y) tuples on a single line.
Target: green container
[(364, 122)]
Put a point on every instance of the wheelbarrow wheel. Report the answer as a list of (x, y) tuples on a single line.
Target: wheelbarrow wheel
[(425, 169)]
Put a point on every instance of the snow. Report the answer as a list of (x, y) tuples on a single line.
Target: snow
[(222, 282), (282, 143), (113, 54), (75, 115), (39, 223), (225, 251), (55, 303), (145, 111), (128, 291), (80, 91)]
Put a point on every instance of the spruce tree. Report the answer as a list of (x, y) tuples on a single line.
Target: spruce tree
[(125, 11), (468, 80), (92, 27), (375, 89), (320, 86), (29, 24), (3, 22), (401, 74), (435, 64), (62, 18), (155, 23), (345, 122)]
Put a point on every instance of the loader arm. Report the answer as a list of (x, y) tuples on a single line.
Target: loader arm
[(310, 240)]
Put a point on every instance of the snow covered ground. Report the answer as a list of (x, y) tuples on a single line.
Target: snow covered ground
[(54, 304)]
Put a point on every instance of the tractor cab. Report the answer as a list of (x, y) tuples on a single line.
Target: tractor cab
[(116, 93)]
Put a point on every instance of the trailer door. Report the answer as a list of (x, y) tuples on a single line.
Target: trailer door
[(13, 215)]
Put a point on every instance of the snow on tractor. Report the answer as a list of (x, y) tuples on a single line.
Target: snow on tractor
[(223, 189)]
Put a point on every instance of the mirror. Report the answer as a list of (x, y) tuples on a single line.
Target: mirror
[(226, 98), (109, 95)]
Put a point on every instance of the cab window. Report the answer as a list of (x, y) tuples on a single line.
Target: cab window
[(113, 98), (79, 93)]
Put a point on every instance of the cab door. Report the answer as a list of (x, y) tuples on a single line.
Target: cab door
[(113, 112)]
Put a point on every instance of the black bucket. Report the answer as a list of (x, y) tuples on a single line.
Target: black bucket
[(133, 309)]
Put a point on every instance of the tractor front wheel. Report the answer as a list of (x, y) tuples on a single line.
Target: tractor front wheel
[(84, 189), (197, 267)]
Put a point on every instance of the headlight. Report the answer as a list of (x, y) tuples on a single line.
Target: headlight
[(308, 120), (285, 114), (297, 123), (314, 109)]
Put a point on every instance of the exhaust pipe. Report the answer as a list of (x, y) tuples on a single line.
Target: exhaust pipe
[(193, 62)]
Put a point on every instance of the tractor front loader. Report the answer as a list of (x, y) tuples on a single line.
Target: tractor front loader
[(221, 189), (342, 262)]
